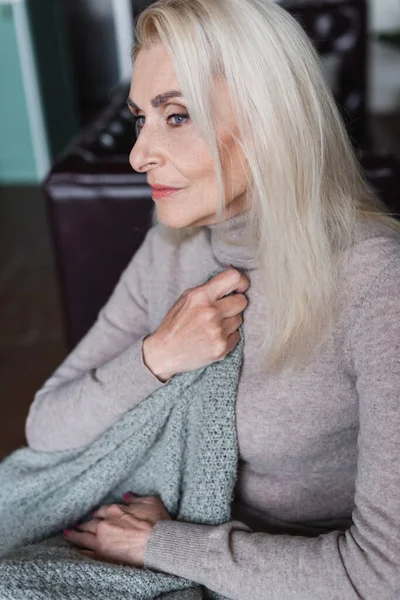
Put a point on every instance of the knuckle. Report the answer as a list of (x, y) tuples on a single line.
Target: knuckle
[(239, 276), (114, 509), (214, 331), (208, 313), (149, 499), (192, 294), (236, 276), (219, 348)]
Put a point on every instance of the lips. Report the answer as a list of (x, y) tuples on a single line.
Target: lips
[(163, 187), (160, 190), (163, 192)]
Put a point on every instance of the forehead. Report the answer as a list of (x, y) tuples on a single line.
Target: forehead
[(153, 72)]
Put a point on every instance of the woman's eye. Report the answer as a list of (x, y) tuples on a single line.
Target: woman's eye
[(137, 125), (178, 117)]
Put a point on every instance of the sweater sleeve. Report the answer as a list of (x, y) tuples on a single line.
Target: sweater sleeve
[(361, 563), (105, 375)]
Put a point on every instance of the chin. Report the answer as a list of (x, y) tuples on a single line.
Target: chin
[(171, 219)]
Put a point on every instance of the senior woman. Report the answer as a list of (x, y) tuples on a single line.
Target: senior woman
[(251, 167)]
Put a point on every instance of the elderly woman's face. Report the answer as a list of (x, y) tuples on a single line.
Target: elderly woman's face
[(171, 151)]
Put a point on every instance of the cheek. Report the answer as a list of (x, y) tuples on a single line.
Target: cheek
[(189, 155), (193, 160), (235, 167)]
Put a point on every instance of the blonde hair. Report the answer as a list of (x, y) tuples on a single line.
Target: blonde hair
[(306, 185)]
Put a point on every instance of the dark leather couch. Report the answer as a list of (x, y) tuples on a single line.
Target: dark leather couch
[(100, 210)]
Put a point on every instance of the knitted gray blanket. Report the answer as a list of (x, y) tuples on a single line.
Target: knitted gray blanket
[(179, 443)]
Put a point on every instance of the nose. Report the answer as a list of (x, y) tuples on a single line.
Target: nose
[(146, 152)]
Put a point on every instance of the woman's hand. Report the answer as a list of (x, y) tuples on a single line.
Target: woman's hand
[(200, 328), (118, 533)]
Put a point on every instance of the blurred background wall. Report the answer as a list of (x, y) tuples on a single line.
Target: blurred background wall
[(64, 71), (101, 32), (59, 62), (384, 65)]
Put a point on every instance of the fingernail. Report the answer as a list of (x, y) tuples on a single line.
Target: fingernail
[(67, 531), (128, 495)]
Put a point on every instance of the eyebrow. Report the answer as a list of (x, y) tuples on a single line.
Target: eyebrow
[(158, 100)]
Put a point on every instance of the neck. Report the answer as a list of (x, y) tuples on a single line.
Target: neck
[(239, 253)]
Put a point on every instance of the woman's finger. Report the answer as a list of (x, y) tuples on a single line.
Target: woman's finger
[(84, 539), (90, 526), (130, 498), (108, 511)]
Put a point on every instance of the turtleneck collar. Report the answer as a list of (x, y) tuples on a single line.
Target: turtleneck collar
[(235, 228)]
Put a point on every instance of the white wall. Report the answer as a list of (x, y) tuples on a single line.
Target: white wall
[(384, 59), (123, 19), (385, 15)]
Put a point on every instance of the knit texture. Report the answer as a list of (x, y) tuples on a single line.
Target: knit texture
[(179, 443)]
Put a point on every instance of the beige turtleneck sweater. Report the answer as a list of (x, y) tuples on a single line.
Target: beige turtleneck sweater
[(317, 509)]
